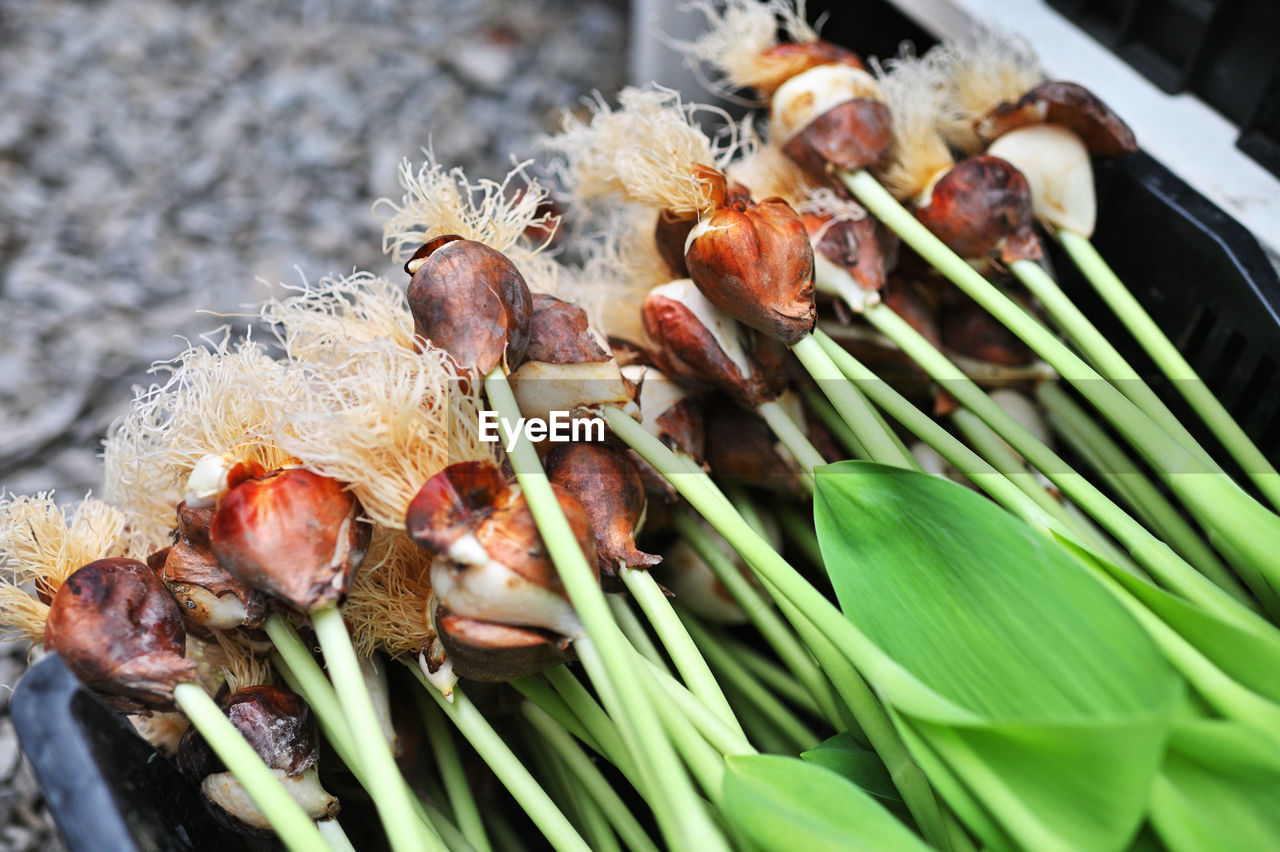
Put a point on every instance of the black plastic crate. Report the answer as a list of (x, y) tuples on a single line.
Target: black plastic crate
[(1222, 50)]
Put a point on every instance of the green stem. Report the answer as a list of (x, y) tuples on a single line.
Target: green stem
[(722, 738), (331, 831), (993, 448), (465, 810), (771, 567), (682, 818), (296, 830), (387, 788), (554, 779), (523, 787), (590, 779), (1099, 351), (634, 630), (781, 639), (533, 689), (680, 646), (852, 405), (773, 675), (1172, 364), (293, 660), (796, 732), (596, 721), (1153, 554), (794, 439), (1252, 531), (1114, 467), (830, 418)]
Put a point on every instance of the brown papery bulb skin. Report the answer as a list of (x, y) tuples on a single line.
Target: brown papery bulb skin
[(120, 632), (194, 576), (788, 59), (454, 503), (611, 492), (969, 330), (670, 234), (863, 247), (742, 447), (471, 301), (277, 723), (497, 653), (754, 262), (1068, 105), (559, 333), (852, 135), (982, 208), (686, 350), (293, 534)]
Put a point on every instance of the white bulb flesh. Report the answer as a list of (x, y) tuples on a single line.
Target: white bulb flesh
[(724, 329), (207, 483), (1056, 165), (224, 790), (812, 93)]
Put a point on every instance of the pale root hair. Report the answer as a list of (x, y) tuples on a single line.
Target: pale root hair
[(645, 150), (620, 266), (916, 93), (382, 418), (162, 730), (986, 69), (318, 321), (225, 399), (236, 664), (387, 606), (440, 201), (41, 543), (765, 170), (738, 34)]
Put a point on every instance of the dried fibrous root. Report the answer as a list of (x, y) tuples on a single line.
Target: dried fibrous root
[(387, 607), (916, 92), (737, 41), (768, 172), (41, 544), (321, 320), (647, 150), (383, 420), (162, 730), (620, 266), (236, 664), (223, 399), (439, 201), (982, 71)]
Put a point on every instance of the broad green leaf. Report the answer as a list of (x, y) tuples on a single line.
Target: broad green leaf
[(1219, 790), (1246, 651), (1067, 702), (781, 803), (857, 763)]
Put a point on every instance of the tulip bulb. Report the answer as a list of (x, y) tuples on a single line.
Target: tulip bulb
[(1056, 165)]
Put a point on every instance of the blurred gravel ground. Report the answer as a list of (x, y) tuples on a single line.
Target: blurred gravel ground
[(158, 158)]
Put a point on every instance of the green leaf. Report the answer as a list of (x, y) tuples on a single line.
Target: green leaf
[(784, 804), (1039, 707), (844, 755), (1219, 790)]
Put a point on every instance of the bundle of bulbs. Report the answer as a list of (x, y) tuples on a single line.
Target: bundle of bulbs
[(860, 280)]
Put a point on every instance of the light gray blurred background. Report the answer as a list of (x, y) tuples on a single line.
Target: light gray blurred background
[(158, 157)]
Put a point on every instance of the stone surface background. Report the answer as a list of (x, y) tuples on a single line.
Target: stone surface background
[(159, 158)]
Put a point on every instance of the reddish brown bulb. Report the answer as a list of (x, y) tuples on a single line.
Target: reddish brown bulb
[(490, 561), (699, 344), (611, 492), (863, 248), (742, 447), (496, 653), (293, 534), (471, 301), (211, 599), (280, 727), (784, 61), (120, 632), (968, 330), (754, 262), (982, 208), (1068, 105)]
